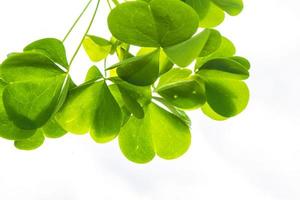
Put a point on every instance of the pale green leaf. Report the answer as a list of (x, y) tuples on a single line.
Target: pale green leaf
[(97, 48)]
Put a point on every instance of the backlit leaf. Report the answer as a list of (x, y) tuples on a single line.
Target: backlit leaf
[(153, 24), (31, 143), (159, 132), (97, 48), (34, 90), (52, 48)]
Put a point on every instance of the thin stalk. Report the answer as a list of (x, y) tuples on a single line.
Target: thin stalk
[(77, 20), (116, 2), (86, 32), (109, 5), (105, 66)]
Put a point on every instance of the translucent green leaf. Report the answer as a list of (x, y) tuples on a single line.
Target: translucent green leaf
[(131, 103), (35, 88), (8, 129), (153, 24), (159, 132), (108, 117), (31, 143), (164, 62), (52, 48), (141, 93), (141, 70), (52, 129), (226, 97), (200, 6), (226, 49), (232, 7), (223, 68), (214, 17), (185, 53), (207, 110), (212, 44), (243, 61), (185, 92), (97, 48), (91, 107), (93, 74)]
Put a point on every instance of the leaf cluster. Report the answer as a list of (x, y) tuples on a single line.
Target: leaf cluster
[(182, 64)]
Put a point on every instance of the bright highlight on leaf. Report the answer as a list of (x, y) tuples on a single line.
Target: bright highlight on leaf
[(142, 97)]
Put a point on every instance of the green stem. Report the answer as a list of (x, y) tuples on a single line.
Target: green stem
[(116, 2), (77, 20), (109, 5), (105, 66), (86, 32)]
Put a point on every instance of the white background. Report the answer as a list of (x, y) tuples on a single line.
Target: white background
[(254, 156)]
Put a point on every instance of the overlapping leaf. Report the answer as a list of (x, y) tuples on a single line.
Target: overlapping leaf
[(159, 132), (97, 48), (211, 12), (202, 44), (182, 89), (226, 94), (92, 108), (140, 70), (153, 24)]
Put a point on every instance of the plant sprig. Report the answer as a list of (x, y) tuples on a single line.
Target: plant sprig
[(182, 64)]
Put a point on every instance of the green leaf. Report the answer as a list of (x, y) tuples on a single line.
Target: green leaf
[(52, 129), (159, 132), (164, 62), (141, 70), (131, 103), (93, 74), (153, 24), (97, 48), (186, 52), (52, 48), (214, 17), (91, 107), (35, 88), (232, 7), (31, 143), (226, 97), (182, 89), (7, 128), (200, 6), (142, 94), (223, 68), (226, 49), (243, 61), (207, 110)]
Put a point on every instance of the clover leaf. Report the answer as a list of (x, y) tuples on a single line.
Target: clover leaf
[(97, 48), (140, 70), (200, 45), (182, 89), (34, 90), (92, 108), (227, 95), (153, 24), (211, 12), (159, 132)]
